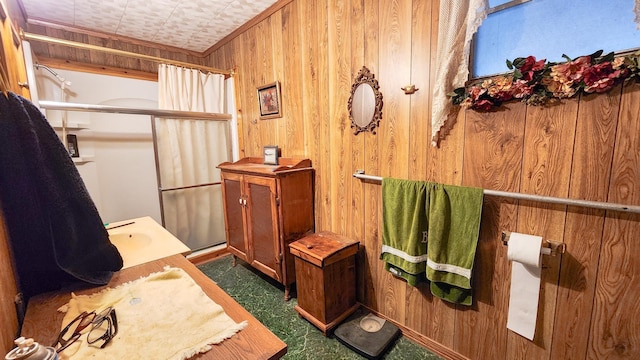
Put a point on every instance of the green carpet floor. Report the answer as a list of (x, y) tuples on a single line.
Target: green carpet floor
[(264, 298)]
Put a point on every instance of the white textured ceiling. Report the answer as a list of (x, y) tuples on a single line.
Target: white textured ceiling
[(187, 24)]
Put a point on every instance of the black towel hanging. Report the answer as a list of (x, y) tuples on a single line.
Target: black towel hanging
[(55, 231)]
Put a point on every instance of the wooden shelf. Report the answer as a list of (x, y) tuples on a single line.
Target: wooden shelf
[(72, 125), (82, 159)]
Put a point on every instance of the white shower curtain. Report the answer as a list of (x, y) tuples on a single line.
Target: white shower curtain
[(188, 153)]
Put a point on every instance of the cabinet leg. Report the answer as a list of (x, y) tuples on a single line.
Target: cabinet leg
[(287, 292), (234, 260)]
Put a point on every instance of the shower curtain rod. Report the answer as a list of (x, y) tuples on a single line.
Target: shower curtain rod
[(52, 40), (540, 198), (174, 114)]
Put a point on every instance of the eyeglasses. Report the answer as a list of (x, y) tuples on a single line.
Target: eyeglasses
[(104, 328)]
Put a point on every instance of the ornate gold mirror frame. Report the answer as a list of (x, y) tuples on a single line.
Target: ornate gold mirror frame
[(365, 102)]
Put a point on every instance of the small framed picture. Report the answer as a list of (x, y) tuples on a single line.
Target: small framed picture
[(270, 154), (72, 145), (269, 101)]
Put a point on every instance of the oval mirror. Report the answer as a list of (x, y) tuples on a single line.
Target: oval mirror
[(365, 102)]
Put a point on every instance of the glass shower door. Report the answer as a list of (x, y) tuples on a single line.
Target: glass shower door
[(188, 178)]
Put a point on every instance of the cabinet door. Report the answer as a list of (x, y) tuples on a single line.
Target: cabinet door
[(233, 215), (262, 220)]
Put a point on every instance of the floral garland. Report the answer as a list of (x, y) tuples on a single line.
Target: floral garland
[(538, 82)]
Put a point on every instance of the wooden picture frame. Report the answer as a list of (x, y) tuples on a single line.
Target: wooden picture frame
[(270, 155), (269, 101)]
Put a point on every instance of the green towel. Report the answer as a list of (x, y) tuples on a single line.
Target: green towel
[(411, 279), (454, 225), (404, 223)]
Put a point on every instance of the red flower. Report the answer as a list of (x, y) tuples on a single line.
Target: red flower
[(482, 105), (600, 86), (530, 66), (537, 82), (596, 72)]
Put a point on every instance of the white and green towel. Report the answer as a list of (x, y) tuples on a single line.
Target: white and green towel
[(404, 225), (454, 225)]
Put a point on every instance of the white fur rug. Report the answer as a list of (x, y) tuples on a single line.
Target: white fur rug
[(165, 315)]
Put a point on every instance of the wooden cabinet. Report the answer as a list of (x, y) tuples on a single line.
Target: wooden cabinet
[(266, 208), (326, 272)]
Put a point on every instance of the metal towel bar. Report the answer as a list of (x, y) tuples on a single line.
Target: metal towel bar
[(540, 198)]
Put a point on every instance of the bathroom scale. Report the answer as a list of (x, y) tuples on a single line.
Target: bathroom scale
[(367, 334)]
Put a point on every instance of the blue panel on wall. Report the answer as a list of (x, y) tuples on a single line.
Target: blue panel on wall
[(547, 29)]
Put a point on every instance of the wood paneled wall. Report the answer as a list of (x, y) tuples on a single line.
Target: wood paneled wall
[(8, 292), (13, 71), (65, 57), (586, 148)]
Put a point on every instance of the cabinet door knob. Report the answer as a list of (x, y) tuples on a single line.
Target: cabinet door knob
[(240, 201)]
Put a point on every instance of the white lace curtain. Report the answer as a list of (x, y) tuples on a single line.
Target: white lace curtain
[(459, 20), (188, 153)]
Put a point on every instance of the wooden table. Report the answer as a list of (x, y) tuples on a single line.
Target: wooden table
[(42, 321)]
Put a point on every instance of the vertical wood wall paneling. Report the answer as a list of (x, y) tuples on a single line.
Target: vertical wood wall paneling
[(239, 100), (615, 333), (14, 58), (269, 34), (278, 136), (445, 166), (373, 193), (419, 139), (549, 137), (8, 291), (395, 72), (312, 120), (230, 62), (358, 150), (590, 175), (339, 15), (231, 55), (324, 179), (251, 80), (492, 160), (294, 131), (13, 70)]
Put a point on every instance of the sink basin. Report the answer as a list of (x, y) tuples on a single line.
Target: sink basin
[(142, 240), (130, 241)]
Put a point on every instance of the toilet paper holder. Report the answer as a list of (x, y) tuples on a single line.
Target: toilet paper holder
[(549, 247)]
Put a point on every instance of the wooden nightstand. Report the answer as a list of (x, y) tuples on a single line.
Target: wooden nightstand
[(325, 278)]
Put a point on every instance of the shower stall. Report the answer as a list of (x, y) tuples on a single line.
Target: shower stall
[(189, 207)]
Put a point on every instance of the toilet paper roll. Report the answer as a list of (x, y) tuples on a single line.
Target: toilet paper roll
[(525, 249), (524, 253)]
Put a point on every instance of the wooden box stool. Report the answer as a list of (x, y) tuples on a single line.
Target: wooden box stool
[(325, 278)]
